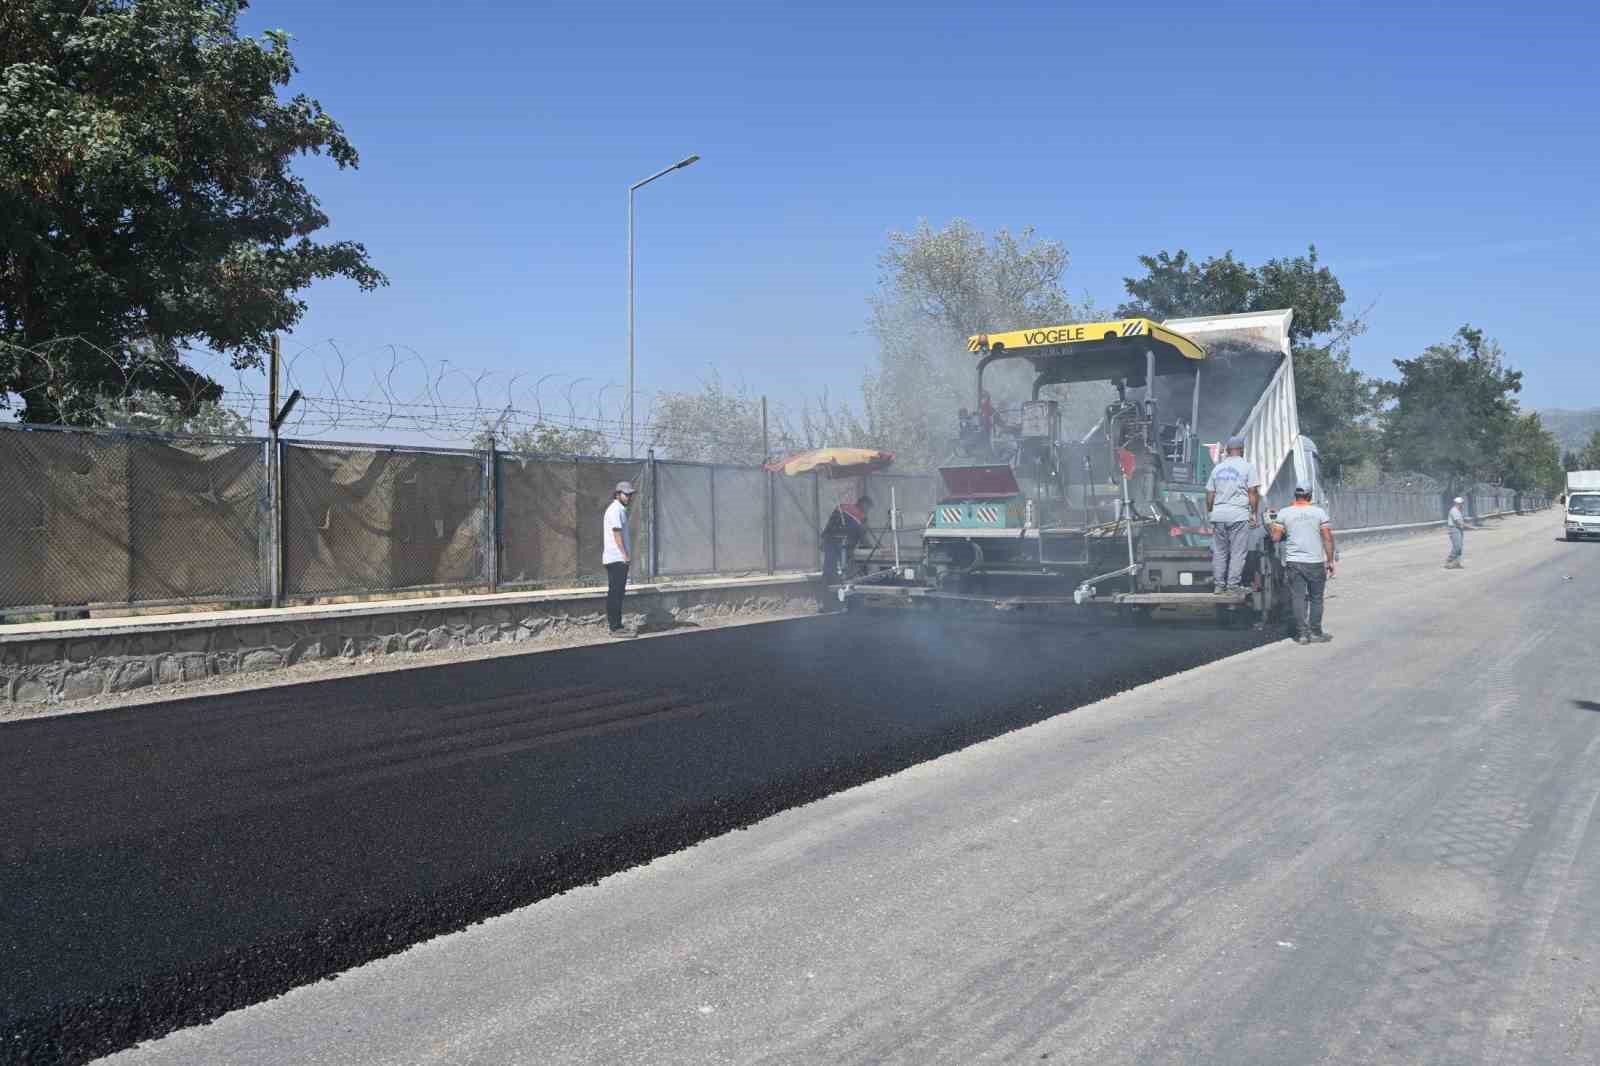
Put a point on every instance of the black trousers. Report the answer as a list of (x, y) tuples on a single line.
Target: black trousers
[(1306, 584), (617, 576)]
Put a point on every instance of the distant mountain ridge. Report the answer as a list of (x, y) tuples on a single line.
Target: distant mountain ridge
[(1571, 428)]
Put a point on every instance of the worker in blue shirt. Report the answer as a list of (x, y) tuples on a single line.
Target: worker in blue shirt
[(1308, 556), (1233, 503)]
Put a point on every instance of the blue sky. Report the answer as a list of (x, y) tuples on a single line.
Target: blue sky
[(1441, 156)]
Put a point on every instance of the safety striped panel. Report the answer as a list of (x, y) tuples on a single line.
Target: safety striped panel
[(950, 516), (1135, 328), (987, 513)]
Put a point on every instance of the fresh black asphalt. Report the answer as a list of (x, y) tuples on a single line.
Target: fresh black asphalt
[(161, 865)]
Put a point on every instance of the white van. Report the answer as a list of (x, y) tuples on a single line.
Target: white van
[(1583, 504)]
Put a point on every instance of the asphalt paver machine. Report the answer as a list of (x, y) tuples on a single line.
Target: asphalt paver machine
[(1115, 519)]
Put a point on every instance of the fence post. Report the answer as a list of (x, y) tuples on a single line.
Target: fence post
[(275, 447), (577, 521), (491, 516), (650, 516), (772, 523), (769, 533), (816, 520), (711, 485)]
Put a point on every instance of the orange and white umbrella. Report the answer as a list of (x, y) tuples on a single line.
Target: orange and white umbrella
[(833, 462)]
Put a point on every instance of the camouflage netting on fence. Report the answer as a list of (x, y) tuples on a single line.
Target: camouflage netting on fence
[(550, 517), (360, 520), (115, 519), (741, 518), (104, 518), (795, 522), (684, 518), (597, 480)]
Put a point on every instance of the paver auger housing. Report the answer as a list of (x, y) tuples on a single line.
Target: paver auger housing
[(1028, 519)]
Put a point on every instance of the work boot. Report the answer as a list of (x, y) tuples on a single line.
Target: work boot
[(1319, 637), (1219, 590), (1301, 638)]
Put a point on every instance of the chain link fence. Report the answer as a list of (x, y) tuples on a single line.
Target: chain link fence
[(101, 519), (359, 520), (113, 519)]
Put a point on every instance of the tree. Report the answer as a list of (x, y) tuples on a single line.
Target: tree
[(147, 201), (543, 438), (936, 288), (1530, 457), (1452, 411), (715, 425), (1336, 402), (1589, 458), (160, 413), (1570, 460), (1175, 286)]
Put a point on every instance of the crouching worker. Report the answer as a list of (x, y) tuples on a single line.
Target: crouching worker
[(1307, 562), (844, 530)]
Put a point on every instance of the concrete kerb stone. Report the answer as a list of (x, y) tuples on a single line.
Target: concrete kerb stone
[(56, 662)]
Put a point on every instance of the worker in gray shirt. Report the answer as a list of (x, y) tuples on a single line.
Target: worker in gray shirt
[(1233, 503), (1456, 525), (1307, 561)]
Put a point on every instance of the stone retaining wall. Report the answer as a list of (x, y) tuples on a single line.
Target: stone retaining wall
[(47, 668)]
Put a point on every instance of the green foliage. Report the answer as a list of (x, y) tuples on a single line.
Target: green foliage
[(1571, 428), (1175, 286), (1530, 458), (714, 425), (1589, 458), (146, 197), (1336, 402), (937, 288), (543, 438), (160, 413), (1452, 410)]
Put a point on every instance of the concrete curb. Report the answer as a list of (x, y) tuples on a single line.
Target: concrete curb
[(51, 662)]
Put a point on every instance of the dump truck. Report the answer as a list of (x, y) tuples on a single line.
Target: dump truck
[(1032, 517)]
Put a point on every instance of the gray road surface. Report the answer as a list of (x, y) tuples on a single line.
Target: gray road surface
[(1383, 850)]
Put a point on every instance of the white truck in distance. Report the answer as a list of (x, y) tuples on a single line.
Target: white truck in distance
[(1583, 504)]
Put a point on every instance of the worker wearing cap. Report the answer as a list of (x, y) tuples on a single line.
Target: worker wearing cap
[(1307, 561), (1233, 502), (1456, 525), (844, 530), (617, 553)]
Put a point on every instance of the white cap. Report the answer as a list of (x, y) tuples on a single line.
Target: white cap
[(1460, 500)]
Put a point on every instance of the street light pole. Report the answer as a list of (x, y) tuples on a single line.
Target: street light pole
[(679, 165)]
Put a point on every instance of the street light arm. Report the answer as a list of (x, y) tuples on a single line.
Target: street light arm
[(679, 165)]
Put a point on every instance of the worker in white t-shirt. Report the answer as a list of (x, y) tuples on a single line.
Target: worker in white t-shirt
[(617, 554)]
